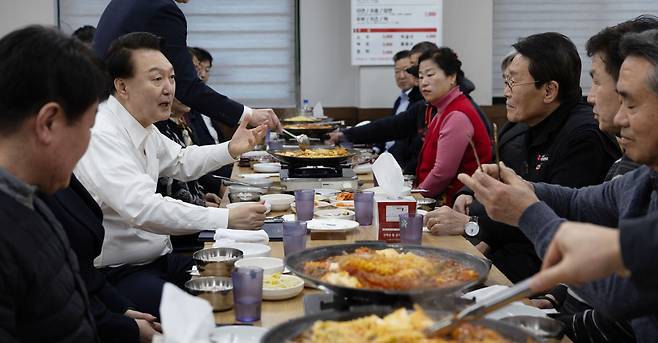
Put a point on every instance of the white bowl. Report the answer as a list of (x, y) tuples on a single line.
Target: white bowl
[(279, 202), (261, 183), (248, 249), (268, 167), (270, 265), (240, 188), (238, 333), (335, 213), (296, 287), (363, 168), (255, 153), (238, 204)]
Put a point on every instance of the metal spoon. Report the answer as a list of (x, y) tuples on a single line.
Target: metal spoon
[(302, 139), (478, 310)]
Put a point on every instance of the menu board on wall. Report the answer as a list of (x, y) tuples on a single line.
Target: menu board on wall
[(380, 28)]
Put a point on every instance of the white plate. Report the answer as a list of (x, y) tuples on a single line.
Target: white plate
[(251, 176), (238, 204), (331, 225), (255, 153), (363, 168), (284, 293), (516, 308), (326, 191), (270, 167), (238, 333), (335, 213), (342, 203), (270, 265), (289, 217), (318, 204), (248, 249)]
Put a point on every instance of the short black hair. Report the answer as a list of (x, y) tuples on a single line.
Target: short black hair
[(201, 54), (422, 47), (85, 33), (645, 45), (40, 65), (447, 60), (400, 55), (606, 41), (553, 57), (119, 56)]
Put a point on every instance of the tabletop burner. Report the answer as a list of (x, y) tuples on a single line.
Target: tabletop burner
[(315, 171), (315, 303)]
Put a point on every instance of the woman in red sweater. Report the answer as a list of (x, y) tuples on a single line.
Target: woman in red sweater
[(451, 121)]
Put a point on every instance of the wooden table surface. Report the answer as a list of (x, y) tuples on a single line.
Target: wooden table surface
[(275, 312)]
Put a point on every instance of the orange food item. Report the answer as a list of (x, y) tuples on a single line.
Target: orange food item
[(345, 196), (389, 269)]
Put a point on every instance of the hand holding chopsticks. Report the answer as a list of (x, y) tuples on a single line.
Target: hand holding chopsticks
[(504, 200)]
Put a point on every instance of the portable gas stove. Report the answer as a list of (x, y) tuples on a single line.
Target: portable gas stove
[(315, 177)]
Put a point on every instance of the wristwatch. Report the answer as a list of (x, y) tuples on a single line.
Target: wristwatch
[(472, 228)]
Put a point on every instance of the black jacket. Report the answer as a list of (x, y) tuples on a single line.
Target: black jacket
[(567, 149), (401, 146), (82, 220), (165, 19), (42, 298)]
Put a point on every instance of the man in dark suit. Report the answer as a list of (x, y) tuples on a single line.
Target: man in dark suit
[(165, 19), (410, 94)]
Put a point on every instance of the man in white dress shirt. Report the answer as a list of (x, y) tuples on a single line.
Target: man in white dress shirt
[(125, 157)]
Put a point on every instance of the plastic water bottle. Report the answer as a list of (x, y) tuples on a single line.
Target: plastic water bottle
[(307, 109)]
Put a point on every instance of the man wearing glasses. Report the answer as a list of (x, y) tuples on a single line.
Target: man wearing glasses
[(552, 137)]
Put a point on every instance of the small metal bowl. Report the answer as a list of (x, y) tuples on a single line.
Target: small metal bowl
[(217, 290), (216, 261), (544, 328), (244, 196), (427, 204)]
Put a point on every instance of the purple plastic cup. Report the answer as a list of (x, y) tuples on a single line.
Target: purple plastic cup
[(247, 293), (304, 206), (411, 228), (363, 204), (294, 237)]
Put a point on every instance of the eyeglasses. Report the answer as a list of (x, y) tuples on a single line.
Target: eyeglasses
[(511, 84)]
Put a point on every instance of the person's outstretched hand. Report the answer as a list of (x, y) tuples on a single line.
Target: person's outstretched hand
[(245, 139)]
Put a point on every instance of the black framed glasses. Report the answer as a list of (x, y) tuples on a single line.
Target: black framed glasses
[(511, 84)]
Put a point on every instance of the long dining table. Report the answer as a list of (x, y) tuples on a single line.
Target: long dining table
[(276, 312)]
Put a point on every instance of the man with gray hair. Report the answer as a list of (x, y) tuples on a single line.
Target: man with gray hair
[(628, 202)]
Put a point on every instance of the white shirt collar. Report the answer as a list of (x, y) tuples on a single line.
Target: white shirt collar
[(136, 131)]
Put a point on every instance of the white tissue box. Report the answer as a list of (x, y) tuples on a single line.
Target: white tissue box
[(386, 217)]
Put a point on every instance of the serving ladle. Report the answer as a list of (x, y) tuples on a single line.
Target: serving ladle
[(480, 309), (302, 140)]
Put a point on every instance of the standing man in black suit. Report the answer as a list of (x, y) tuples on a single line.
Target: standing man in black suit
[(163, 18)]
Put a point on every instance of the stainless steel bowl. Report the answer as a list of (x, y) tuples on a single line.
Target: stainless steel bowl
[(217, 290), (547, 329), (427, 204), (244, 196), (216, 261)]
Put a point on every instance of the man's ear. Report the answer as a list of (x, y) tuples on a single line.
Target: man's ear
[(49, 118), (121, 88), (552, 89)]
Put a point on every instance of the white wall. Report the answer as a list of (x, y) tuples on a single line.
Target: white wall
[(327, 74), (16, 14)]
